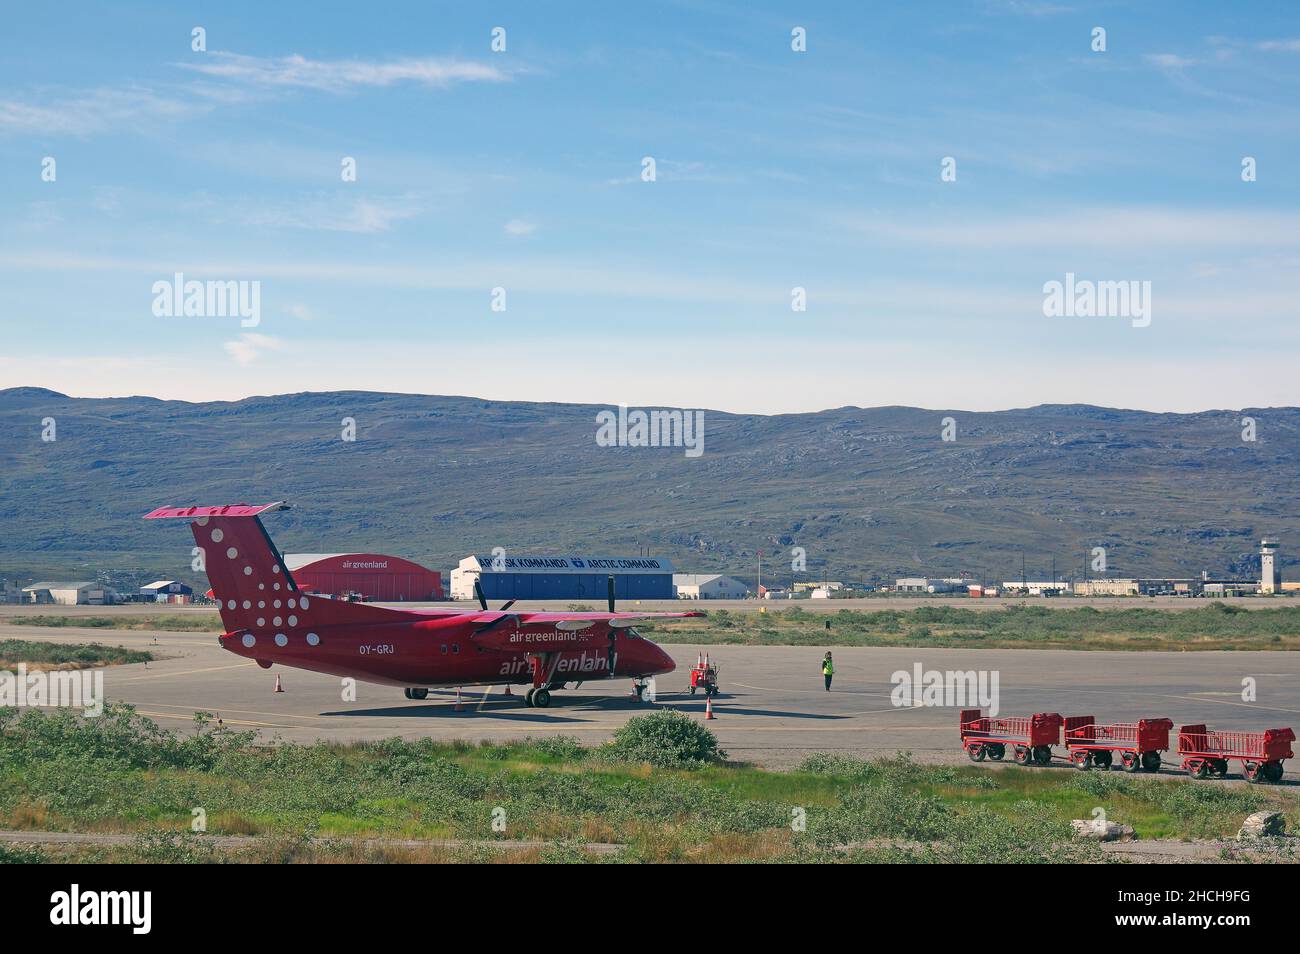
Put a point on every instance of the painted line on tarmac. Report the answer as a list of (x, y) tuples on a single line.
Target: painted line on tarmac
[(278, 715), (160, 674), (181, 718)]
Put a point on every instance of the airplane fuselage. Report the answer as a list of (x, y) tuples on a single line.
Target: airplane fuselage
[(442, 652)]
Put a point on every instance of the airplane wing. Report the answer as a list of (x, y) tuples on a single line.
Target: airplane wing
[(556, 631)]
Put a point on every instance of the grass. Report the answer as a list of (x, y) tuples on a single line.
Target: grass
[(1216, 626), (123, 773), (38, 655), (197, 623)]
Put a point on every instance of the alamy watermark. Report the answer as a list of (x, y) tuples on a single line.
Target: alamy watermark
[(74, 689), (654, 428), (1088, 299), (932, 688), (179, 298)]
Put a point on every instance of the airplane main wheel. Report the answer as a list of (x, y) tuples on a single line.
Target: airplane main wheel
[(528, 697), (417, 693), (541, 698)]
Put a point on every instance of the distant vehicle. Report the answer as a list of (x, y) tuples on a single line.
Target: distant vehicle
[(268, 619)]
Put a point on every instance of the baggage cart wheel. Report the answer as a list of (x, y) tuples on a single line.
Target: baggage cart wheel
[(1081, 761), (1252, 772), (1130, 761), (1272, 771), (975, 751), (1102, 760), (1043, 754), (1151, 761), (1022, 755), (1220, 767), (1198, 769), (996, 750)]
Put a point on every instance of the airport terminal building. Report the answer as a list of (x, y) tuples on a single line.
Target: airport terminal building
[(563, 578)]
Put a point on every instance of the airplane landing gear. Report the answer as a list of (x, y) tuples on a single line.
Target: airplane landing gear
[(638, 690), (416, 693), (537, 698)]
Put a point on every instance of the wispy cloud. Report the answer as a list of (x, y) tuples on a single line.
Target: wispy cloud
[(340, 75), (519, 227), (250, 346), (320, 214), (1169, 61), (1107, 228), (93, 111), (298, 310)]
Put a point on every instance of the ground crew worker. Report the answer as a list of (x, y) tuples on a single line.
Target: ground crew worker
[(828, 670)]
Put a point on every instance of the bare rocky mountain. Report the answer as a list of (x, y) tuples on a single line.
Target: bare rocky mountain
[(867, 492)]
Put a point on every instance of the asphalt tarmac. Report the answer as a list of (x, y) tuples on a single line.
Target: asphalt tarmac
[(772, 708)]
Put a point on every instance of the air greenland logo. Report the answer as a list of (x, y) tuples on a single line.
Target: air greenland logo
[(584, 662), (214, 299), (365, 564), (657, 428), (74, 907)]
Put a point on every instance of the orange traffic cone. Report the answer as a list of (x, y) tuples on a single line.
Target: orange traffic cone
[(278, 687), (459, 707), (708, 708), (507, 692)]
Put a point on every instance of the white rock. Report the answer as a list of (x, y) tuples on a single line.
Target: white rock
[(1263, 825), (1101, 830)]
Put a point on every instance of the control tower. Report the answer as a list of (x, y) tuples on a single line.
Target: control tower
[(1270, 573)]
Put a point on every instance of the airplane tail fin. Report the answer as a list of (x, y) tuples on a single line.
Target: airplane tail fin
[(249, 579)]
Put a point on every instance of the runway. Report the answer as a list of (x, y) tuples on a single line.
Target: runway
[(772, 709)]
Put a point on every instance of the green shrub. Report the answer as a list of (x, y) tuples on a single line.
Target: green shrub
[(668, 739), (21, 855)]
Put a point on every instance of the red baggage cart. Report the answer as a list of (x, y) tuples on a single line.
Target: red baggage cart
[(1030, 737), (1139, 744), (1206, 752)]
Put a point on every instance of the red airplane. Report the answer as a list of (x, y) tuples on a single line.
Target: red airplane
[(268, 619)]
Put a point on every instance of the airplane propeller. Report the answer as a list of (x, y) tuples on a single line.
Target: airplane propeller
[(610, 591), (482, 600)]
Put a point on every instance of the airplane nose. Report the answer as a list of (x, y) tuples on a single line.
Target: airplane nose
[(663, 661)]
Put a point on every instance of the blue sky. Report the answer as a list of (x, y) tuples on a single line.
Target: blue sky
[(775, 169)]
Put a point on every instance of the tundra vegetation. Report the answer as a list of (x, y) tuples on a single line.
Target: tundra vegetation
[(1216, 625), (660, 790), (40, 655)]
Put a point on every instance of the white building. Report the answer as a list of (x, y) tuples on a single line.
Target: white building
[(923, 584), (1036, 587), (708, 586), (68, 594)]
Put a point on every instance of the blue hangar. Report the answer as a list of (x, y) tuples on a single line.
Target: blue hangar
[(511, 577)]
